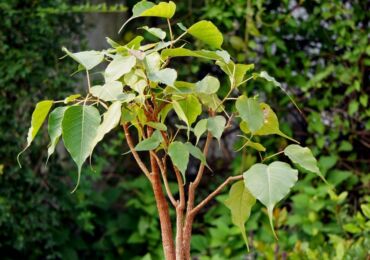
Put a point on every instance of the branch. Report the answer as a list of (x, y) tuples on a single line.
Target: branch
[(164, 177), (130, 143), (215, 192)]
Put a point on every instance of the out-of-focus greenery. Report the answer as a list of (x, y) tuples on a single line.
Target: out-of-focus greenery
[(318, 50)]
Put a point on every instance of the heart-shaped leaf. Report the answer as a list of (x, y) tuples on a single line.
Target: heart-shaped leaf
[(179, 154), (119, 66), (110, 91), (208, 85), (79, 129), (216, 125), (88, 59), (270, 183), (55, 128), (150, 143)]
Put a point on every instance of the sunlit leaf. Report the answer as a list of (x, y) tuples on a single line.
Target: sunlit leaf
[(111, 118), (166, 76), (110, 91), (240, 203), (157, 32), (304, 158), (207, 32), (236, 72), (79, 129), (88, 59), (208, 85), (188, 109), (270, 184), (71, 98), (118, 67), (250, 111), (39, 115)]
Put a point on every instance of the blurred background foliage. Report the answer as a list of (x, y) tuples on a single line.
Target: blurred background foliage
[(318, 50)]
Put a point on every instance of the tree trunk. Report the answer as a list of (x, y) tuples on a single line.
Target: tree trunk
[(164, 215)]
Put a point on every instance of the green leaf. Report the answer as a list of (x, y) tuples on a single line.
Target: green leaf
[(208, 85), (152, 62), (111, 118), (200, 128), (366, 210), (197, 153), (257, 146), (211, 101), (207, 32), (119, 66), (236, 72), (270, 124), (110, 91), (250, 111), (157, 125), (79, 129), (188, 109), (145, 8), (88, 59), (157, 32), (270, 183), (240, 203), (304, 158), (150, 143), (55, 128), (163, 9), (166, 76), (179, 154), (71, 98), (216, 125), (205, 54), (39, 115)]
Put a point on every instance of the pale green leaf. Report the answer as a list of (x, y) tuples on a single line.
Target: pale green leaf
[(79, 129), (208, 85), (88, 59), (152, 62), (240, 203), (200, 128), (111, 118), (119, 66), (266, 76), (110, 91), (250, 111), (39, 115), (157, 32), (303, 157), (179, 154), (166, 76), (55, 128), (216, 125), (211, 101), (206, 32), (150, 143), (270, 184)]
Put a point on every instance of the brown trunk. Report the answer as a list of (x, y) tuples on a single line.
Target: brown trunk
[(164, 215)]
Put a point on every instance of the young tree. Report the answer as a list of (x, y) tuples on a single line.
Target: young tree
[(139, 90)]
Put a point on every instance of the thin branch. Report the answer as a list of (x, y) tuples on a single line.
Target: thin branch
[(215, 192), (134, 153), (164, 177)]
